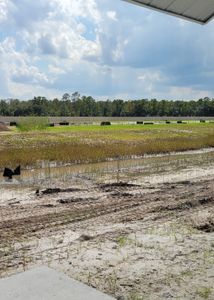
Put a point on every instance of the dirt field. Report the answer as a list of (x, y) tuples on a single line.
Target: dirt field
[(135, 232)]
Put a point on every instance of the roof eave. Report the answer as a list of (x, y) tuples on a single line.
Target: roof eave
[(149, 6)]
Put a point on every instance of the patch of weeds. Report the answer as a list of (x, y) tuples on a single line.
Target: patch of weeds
[(208, 256), (151, 230), (123, 241), (32, 123), (187, 273), (204, 292), (208, 253), (135, 296), (112, 282)]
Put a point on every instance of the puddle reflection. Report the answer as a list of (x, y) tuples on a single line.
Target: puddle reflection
[(145, 166)]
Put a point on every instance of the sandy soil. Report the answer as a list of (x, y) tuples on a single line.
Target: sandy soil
[(148, 237), (3, 127)]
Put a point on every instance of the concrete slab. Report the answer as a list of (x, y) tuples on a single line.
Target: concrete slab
[(44, 283)]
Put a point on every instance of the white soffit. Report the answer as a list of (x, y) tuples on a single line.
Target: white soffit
[(201, 11)]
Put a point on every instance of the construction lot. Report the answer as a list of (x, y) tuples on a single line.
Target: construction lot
[(143, 231)]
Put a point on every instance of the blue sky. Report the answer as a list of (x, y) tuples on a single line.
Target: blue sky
[(103, 48)]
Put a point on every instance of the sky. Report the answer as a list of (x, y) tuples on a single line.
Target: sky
[(108, 49)]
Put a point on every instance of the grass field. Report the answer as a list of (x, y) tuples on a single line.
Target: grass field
[(90, 143)]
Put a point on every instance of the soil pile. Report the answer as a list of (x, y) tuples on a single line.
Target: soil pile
[(3, 127)]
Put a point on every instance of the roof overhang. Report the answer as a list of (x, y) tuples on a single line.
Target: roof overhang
[(200, 11)]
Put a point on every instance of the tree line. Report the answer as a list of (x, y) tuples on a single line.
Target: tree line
[(86, 106)]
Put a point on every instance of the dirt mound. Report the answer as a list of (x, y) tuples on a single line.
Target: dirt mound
[(3, 127), (203, 221)]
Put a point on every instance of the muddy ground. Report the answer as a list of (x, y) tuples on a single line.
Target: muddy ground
[(130, 235)]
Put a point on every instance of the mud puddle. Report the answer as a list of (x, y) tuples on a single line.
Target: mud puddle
[(148, 165), (147, 171)]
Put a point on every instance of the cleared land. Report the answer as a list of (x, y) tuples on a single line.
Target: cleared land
[(136, 229)]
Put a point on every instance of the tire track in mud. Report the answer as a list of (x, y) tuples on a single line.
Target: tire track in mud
[(119, 206), (30, 225), (76, 212)]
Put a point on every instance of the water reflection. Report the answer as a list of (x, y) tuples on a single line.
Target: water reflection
[(116, 170)]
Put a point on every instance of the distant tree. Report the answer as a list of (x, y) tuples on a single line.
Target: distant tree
[(4, 108), (75, 105), (66, 97), (75, 96)]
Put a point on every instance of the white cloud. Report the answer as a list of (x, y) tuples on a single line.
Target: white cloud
[(28, 91), (3, 10), (76, 8), (56, 70), (61, 33), (112, 15), (118, 51), (188, 93), (102, 47), (17, 69), (17, 64), (151, 76)]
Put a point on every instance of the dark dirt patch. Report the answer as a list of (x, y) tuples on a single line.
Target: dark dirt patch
[(208, 227), (74, 200), (184, 182), (173, 207), (50, 191), (14, 203), (206, 200), (120, 194), (47, 205), (118, 184), (188, 204), (85, 237)]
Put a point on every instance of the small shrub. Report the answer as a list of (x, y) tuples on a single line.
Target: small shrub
[(13, 123), (139, 122), (64, 123), (179, 122), (202, 121), (51, 125), (168, 122), (105, 123), (148, 123)]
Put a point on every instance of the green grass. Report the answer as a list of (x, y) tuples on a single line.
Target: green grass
[(90, 143), (137, 132)]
